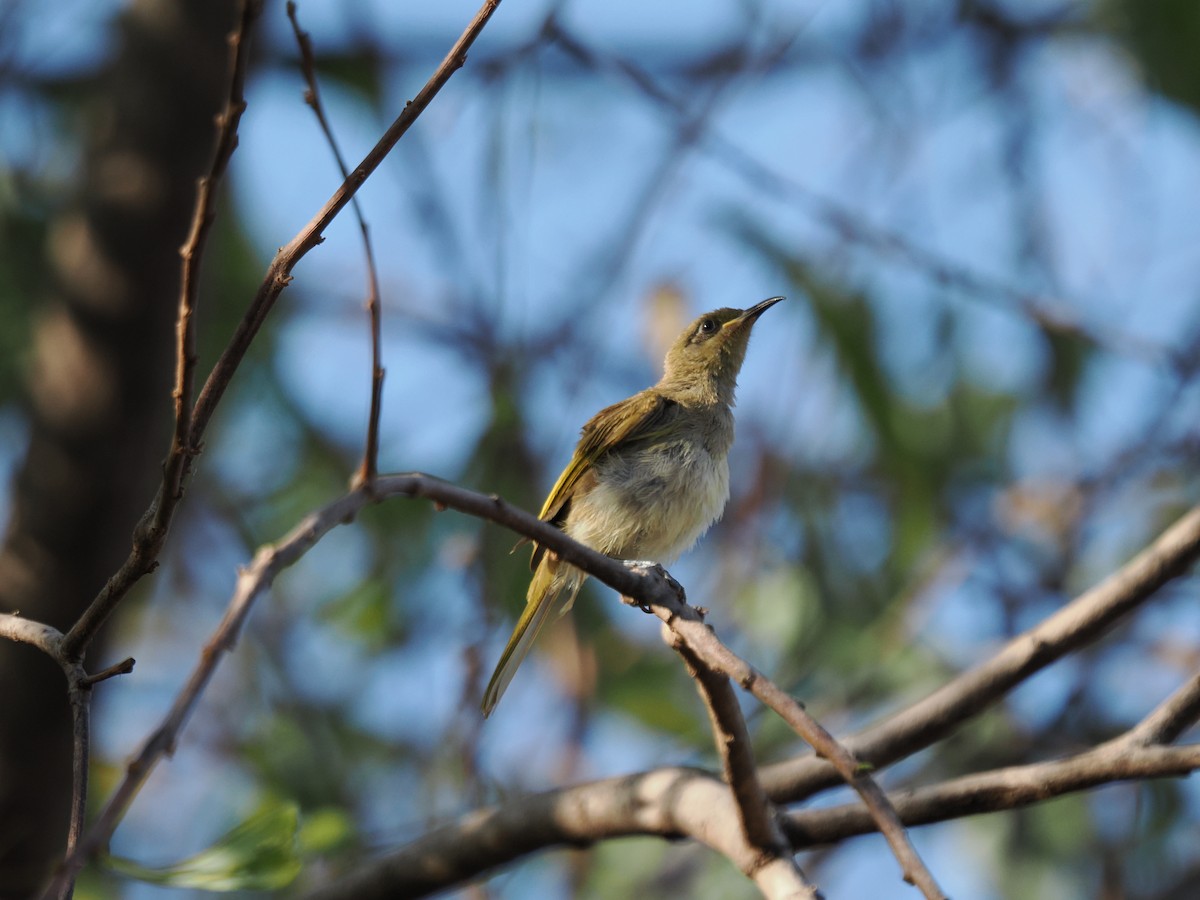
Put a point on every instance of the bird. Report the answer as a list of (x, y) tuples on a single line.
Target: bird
[(649, 475)]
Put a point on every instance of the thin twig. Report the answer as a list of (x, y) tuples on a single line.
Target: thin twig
[(192, 252), (1012, 787), (689, 627), (1077, 624), (756, 815), (308, 66), (79, 688), (151, 530), (124, 667)]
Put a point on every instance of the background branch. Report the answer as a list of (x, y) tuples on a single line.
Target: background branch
[(152, 528), (369, 467), (1079, 622), (150, 532), (688, 626), (756, 815)]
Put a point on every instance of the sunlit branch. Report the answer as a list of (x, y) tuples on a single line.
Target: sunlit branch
[(756, 815), (687, 624), (1077, 624), (151, 530), (369, 467)]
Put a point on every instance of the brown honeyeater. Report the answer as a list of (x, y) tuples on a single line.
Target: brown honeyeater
[(649, 476)]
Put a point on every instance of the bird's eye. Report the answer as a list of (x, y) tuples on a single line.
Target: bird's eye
[(708, 326)]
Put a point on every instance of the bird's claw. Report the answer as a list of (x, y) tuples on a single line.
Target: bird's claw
[(644, 567)]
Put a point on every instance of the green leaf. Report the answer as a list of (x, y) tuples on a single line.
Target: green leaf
[(259, 854)]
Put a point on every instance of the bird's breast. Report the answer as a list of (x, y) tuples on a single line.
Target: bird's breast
[(652, 502)]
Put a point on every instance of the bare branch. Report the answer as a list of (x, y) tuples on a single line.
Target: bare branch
[(650, 587), (686, 623), (1171, 718), (369, 467), (663, 802), (671, 803), (79, 686), (756, 815), (151, 530), (1001, 789), (1078, 623)]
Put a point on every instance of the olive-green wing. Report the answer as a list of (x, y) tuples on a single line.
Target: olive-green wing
[(642, 417)]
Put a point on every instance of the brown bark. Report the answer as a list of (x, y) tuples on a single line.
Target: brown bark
[(99, 385)]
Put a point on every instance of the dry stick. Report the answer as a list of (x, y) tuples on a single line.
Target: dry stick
[(687, 624), (1171, 718), (756, 815), (648, 588), (1076, 624), (369, 467), (151, 530), (79, 685), (252, 581), (1001, 789)]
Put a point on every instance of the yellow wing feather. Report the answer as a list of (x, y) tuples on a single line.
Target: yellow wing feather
[(642, 417)]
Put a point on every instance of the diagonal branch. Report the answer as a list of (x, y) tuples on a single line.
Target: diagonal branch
[(774, 864), (1078, 623), (308, 66), (688, 627), (151, 531), (1001, 789)]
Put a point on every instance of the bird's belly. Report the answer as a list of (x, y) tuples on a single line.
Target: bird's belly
[(651, 503)]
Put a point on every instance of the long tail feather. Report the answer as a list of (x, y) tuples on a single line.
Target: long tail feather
[(551, 590)]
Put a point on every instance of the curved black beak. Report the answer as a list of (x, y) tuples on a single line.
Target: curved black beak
[(757, 310)]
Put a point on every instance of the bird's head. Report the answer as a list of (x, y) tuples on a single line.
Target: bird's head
[(705, 360)]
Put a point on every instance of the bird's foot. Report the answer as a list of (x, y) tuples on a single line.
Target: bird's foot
[(643, 567)]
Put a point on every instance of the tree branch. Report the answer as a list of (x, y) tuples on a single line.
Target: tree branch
[(998, 790), (670, 803), (1078, 623), (689, 628), (152, 529), (775, 868), (79, 688), (369, 467), (650, 588)]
